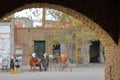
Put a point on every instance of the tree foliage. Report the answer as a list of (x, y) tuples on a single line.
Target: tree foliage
[(71, 27)]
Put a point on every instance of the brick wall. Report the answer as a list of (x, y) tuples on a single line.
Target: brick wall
[(24, 38)]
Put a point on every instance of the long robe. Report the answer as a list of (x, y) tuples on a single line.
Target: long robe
[(34, 60)]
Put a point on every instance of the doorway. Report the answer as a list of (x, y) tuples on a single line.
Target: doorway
[(95, 52), (39, 48), (56, 50)]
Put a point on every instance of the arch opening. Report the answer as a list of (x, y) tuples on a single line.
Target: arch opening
[(102, 35)]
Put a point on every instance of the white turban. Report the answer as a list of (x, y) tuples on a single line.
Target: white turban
[(34, 55), (45, 55)]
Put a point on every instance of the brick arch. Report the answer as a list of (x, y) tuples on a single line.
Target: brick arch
[(103, 36)]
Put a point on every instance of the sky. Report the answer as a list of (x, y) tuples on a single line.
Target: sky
[(29, 13)]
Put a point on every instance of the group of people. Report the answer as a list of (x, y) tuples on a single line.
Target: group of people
[(42, 63), (35, 62)]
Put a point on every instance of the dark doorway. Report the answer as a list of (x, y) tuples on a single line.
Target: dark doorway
[(95, 52), (56, 51), (39, 48)]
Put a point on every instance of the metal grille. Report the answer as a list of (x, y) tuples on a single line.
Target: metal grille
[(4, 41)]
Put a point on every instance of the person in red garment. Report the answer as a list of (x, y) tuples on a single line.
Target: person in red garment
[(63, 57), (34, 62), (63, 63)]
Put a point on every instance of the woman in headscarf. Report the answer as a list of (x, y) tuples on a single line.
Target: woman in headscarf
[(34, 62)]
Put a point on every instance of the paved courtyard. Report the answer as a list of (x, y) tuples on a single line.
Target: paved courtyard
[(90, 72)]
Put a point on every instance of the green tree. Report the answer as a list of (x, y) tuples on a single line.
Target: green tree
[(72, 28)]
